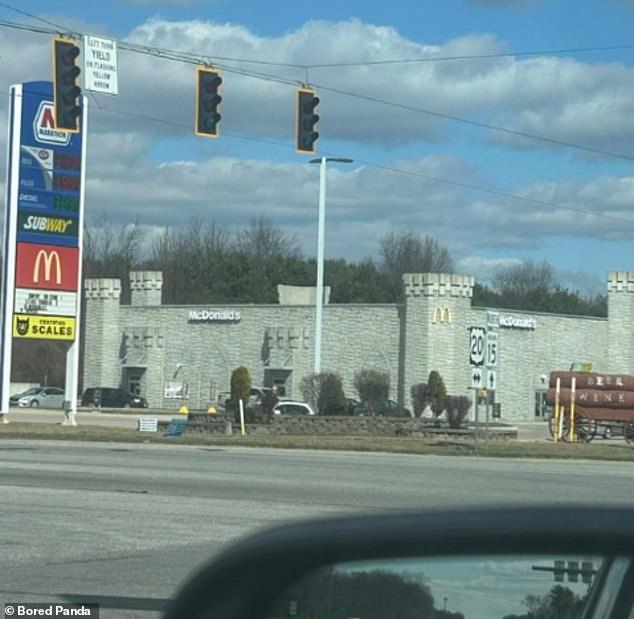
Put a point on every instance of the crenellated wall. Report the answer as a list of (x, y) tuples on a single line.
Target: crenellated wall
[(201, 345)]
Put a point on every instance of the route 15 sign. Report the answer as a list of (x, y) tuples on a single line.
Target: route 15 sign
[(477, 338)]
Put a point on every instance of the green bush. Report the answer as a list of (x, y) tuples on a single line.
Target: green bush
[(420, 397), (240, 386), (324, 392), (458, 407), (373, 386), (437, 393)]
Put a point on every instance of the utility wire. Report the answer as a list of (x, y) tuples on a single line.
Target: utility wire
[(201, 59), (378, 166), (542, 52)]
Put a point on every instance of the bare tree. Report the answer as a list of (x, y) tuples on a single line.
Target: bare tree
[(524, 279), (109, 250), (406, 252), (262, 239)]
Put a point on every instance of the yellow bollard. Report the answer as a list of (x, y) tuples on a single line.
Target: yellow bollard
[(557, 411), (573, 430)]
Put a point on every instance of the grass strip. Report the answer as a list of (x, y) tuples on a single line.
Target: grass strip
[(406, 445)]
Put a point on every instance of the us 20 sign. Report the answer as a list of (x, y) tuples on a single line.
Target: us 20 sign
[(477, 338)]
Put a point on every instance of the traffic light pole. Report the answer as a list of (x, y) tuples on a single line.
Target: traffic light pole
[(319, 301), (321, 232)]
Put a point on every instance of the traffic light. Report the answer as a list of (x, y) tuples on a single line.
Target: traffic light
[(207, 102), (306, 120), (66, 92), (560, 571)]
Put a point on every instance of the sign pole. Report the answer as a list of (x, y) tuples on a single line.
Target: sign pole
[(10, 227), (486, 426), (477, 400), (71, 386)]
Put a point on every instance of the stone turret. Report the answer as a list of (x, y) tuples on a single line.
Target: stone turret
[(437, 315), (146, 287), (621, 321), (101, 320)]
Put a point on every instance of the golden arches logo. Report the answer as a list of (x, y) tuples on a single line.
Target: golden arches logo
[(442, 314), (47, 258)]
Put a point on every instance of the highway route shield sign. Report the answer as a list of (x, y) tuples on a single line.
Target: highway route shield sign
[(477, 339)]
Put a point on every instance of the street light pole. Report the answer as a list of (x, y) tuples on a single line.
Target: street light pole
[(321, 230)]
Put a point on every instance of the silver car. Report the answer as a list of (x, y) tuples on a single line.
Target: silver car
[(44, 397)]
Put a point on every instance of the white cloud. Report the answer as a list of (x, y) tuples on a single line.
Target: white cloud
[(484, 268), (557, 97)]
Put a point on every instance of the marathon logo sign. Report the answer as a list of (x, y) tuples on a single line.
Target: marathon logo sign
[(517, 322), (66, 226), (44, 126), (214, 316), (59, 328)]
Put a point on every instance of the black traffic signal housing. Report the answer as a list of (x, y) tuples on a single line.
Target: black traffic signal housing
[(66, 91), (307, 135), (207, 102)]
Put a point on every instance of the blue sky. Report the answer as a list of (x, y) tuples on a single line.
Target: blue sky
[(164, 175)]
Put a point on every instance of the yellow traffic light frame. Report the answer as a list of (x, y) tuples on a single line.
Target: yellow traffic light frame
[(300, 90), (199, 70), (65, 40)]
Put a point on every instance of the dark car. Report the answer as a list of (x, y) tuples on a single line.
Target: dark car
[(112, 397)]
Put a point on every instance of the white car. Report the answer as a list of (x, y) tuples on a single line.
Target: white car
[(46, 397), (290, 407)]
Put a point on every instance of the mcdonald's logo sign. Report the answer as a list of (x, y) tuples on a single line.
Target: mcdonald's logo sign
[(44, 263), (441, 315), (47, 267)]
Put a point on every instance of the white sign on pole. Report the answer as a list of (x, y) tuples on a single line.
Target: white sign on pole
[(100, 65), (477, 378), (492, 349), (491, 379), (477, 337)]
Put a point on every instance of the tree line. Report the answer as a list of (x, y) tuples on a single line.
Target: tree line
[(206, 262)]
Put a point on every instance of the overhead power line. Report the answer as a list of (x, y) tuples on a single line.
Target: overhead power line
[(195, 59)]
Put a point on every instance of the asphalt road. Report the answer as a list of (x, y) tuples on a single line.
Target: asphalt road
[(124, 524)]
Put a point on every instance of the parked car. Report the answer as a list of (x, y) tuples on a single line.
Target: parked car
[(45, 397), (351, 404), (112, 397), (222, 398), (13, 400), (290, 407), (386, 408)]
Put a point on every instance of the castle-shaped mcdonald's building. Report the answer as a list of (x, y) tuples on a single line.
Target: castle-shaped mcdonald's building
[(167, 353)]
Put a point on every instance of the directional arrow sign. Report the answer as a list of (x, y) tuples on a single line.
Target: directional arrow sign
[(491, 380), (477, 378)]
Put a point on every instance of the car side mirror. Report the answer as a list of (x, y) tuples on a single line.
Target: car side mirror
[(441, 564)]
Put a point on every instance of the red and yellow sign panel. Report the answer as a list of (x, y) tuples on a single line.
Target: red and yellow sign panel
[(44, 327), (47, 267)]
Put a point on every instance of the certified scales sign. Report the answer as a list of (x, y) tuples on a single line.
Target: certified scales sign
[(42, 229)]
